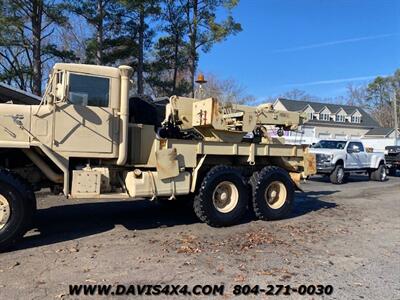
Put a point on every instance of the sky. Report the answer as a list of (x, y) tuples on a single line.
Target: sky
[(319, 46)]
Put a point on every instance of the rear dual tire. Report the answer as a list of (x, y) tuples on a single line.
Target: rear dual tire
[(273, 193), (225, 195), (379, 174)]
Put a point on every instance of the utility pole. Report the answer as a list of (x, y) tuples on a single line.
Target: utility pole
[(396, 125)]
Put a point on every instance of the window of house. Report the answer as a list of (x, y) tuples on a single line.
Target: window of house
[(89, 90), (310, 115), (324, 117), (355, 119), (340, 118)]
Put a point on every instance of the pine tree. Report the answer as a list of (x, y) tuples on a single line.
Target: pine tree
[(139, 13), (27, 41), (106, 18), (204, 30), (168, 73)]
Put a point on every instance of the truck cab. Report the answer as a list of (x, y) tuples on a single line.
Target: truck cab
[(341, 158)]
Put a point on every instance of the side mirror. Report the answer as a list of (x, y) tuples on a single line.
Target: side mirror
[(60, 92)]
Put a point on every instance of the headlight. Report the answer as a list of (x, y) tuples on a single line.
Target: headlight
[(324, 157)]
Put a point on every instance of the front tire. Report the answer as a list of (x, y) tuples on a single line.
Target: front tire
[(273, 193), (223, 197), (338, 175), (16, 209)]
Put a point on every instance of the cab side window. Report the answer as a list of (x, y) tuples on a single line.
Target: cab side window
[(88, 90), (359, 145)]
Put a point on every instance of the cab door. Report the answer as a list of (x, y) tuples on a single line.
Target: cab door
[(363, 156), (84, 122), (354, 160)]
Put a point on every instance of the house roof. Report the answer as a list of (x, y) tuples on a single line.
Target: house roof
[(18, 96), (297, 105), (338, 110), (380, 131), (324, 108)]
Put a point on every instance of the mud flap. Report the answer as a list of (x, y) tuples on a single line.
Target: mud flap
[(296, 178), (297, 186)]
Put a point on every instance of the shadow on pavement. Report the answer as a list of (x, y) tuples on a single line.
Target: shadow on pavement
[(72, 221), (68, 222), (309, 202)]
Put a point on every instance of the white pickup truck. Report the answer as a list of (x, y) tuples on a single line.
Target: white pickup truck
[(339, 159)]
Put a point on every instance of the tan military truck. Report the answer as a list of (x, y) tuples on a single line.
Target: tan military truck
[(89, 139)]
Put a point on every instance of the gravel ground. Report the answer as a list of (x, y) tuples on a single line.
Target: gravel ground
[(347, 236)]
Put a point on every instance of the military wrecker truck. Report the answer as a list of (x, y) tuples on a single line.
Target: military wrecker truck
[(89, 139)]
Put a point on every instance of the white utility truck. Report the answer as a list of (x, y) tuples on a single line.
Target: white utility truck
[(340, 158)]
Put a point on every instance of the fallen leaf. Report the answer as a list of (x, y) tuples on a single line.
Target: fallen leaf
[(15, 265), (239, 278)]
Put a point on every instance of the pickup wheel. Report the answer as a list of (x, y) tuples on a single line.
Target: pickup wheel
[(338, 175), (379, 174), (273, 193), (223, 197), (16, 209)]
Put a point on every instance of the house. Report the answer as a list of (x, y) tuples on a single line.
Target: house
[(380, 137), (328, 121), (381, 133)]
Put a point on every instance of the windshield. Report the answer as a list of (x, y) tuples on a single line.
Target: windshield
[(330, 144)]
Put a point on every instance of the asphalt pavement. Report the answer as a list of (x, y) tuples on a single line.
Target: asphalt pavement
[(346, 236)]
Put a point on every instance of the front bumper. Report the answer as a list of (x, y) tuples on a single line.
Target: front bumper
[(324, 165)]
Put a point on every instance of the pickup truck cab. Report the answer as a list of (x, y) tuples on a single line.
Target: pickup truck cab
[(340, 158)]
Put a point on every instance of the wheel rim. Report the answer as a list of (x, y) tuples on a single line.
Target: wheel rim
[(225, 197), (340, 174), (5, 211), (383, 174), (275, 194)]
